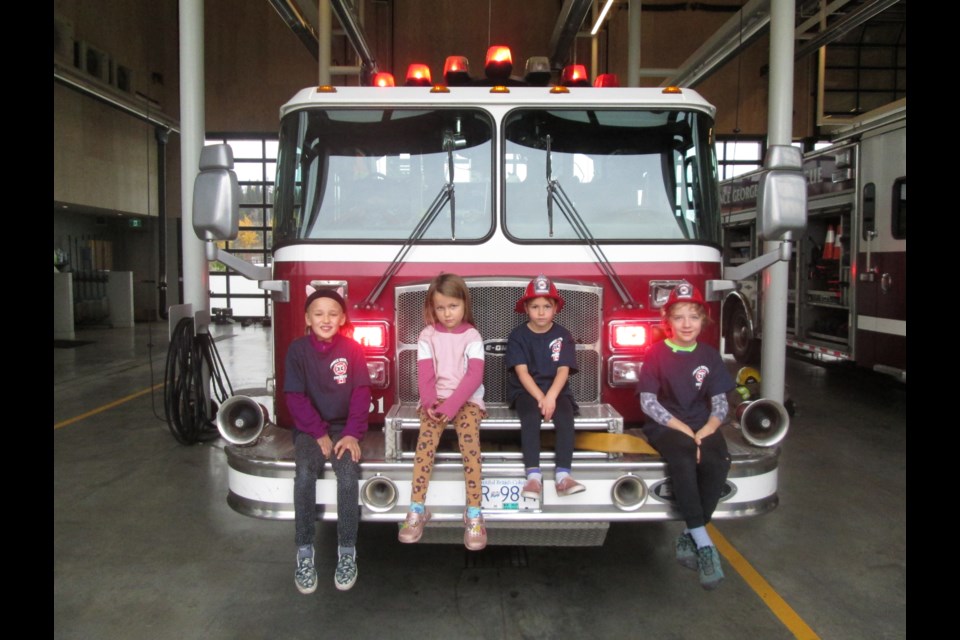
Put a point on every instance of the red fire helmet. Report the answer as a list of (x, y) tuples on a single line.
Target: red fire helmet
[(684, 292), (540, 287)]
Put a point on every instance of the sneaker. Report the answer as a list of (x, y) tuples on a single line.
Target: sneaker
[(532, 489), (687, 551), (711, 573), (412, 528), (568, 486), (306, 576), (475, 533), (346, 573)]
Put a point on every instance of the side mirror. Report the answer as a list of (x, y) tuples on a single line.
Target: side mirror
[(216, 195), (782, 194)]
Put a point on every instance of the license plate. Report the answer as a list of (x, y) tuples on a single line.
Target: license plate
[(503, 494)]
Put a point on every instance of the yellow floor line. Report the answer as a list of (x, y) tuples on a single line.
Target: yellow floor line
[(771, 598), (109, 405)]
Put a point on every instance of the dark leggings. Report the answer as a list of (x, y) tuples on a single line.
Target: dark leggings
[(310, 461), (696, 487), (530, 421)]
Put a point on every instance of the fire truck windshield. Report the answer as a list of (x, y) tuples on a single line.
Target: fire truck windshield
[(371, 174), (633, 175)]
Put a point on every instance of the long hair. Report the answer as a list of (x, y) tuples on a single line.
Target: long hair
[(452, 286)]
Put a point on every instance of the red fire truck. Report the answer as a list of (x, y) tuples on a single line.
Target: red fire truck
[(610, 192), (847, 297)]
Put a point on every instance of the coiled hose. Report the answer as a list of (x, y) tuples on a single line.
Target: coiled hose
[(183, 389)]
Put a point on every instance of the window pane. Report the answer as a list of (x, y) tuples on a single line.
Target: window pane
[(251, 217), (251, 194), (248, 307), (899, 220), (248, 171), (246, 149), (271, 149), (746, 151), (239, 284), (218, 283), (334, 189), (740, 169)]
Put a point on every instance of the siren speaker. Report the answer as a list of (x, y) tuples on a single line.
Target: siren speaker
[(763, 422)]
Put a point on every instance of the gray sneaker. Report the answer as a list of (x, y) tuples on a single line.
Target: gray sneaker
[(711, 573), (306, 576), (687, 551), (346, 573)]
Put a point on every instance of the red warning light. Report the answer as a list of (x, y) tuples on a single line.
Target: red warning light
[(418, 75), (607, 80), (384, 79), (456, 70), (575, 75), (499, 63)]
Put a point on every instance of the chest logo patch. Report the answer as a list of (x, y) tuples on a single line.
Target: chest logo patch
[(555, 347), (339, 368), (700, 374)]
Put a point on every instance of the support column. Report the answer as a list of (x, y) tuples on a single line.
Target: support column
[(779, 132), (196, 285), (633, 43)]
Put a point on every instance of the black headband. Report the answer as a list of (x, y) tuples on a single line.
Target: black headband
[(324, 293)]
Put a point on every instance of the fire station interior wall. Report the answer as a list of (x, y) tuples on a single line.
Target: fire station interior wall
[(106, 241)]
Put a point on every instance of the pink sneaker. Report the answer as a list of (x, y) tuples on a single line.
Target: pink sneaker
[(532, 489), (412, 528), (475, 533), (568, 486)]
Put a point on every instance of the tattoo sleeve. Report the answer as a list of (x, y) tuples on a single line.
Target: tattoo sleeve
[(719, 407), (652, 407)]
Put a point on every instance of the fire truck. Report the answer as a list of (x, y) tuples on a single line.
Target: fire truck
[(611, 192), (847, 298)]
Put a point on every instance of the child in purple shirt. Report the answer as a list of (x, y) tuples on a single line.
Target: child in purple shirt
[(327, 390)]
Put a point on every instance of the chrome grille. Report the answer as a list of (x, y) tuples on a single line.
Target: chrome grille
[(493, 311)]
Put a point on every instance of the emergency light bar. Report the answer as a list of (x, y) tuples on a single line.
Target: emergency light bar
[(607, 80), (537, 72), (456, 71), (499, 63), (575, 75), (384, 79), (418, 75)]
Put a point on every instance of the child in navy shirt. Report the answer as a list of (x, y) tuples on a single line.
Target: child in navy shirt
[(327, 389), (541, 356), (683, 388)]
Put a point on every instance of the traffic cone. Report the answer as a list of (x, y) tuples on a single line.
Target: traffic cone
[(828, 244), (837, 247)]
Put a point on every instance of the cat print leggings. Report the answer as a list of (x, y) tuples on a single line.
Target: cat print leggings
[(467, 424)]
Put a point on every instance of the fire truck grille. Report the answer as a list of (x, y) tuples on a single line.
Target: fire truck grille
[(493, 311)]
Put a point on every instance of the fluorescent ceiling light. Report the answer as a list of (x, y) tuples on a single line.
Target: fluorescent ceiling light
[(603, 14)]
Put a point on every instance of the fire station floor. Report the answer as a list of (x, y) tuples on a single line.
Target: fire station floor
[(145, 545)]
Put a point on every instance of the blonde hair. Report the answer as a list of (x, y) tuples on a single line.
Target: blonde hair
[(452, 286)]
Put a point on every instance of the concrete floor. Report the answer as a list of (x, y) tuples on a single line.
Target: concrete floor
[(145, 545)]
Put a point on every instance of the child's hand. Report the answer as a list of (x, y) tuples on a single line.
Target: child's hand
[(436, 417), (347, 443), (326, 445), (547, 406)]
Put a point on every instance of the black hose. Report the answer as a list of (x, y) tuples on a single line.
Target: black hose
[(184, 396)]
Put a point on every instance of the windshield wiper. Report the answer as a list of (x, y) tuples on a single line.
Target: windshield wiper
[(446, 195), (555, 193)]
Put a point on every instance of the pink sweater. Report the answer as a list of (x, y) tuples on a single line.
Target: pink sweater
[(450, 367)]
